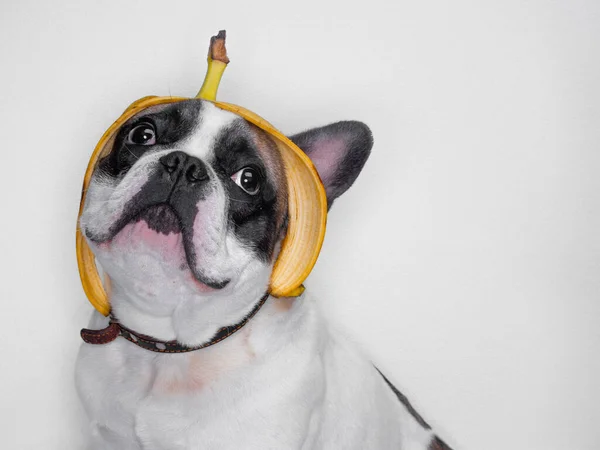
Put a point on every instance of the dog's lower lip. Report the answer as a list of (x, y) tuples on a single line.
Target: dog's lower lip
[(160, 217), (212, 284), (200, 278), (163, 219)]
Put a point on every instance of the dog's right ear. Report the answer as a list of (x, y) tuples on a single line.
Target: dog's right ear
[(339, 151)]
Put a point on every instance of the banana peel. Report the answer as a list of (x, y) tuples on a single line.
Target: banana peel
[(307, 202)]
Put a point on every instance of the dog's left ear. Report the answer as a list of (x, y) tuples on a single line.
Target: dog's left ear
[(339, 152)]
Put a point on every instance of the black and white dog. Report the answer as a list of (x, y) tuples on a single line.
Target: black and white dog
[(186, 215)]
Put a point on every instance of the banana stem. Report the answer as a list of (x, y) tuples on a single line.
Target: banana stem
[(217, 62)]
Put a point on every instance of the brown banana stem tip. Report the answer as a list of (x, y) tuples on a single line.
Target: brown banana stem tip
[(217, 50)]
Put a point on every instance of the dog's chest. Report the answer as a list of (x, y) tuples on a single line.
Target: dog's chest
[(277, 385), (142, 400)]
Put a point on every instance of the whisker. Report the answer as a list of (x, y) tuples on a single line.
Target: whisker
[(236, 200), (132, 154)]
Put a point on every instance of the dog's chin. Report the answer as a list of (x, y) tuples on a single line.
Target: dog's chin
[(156, 233)]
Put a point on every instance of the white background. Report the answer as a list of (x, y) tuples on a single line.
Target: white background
[(466, 257)]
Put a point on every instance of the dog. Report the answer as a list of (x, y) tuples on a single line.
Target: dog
[(186, 214)]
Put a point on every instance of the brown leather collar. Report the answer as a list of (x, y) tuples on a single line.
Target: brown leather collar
[(115, 329)]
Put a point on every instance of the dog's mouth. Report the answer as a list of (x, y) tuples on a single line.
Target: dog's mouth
[(161, 218), (160, 226)]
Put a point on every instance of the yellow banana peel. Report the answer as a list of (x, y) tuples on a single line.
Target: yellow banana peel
[(307, 202)]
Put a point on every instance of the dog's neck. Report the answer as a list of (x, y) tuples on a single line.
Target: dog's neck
[(192, 321)]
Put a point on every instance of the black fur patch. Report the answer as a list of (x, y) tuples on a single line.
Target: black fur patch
[(436, 443), (253, 217), (162, 219), (406, 403), (173, 122)]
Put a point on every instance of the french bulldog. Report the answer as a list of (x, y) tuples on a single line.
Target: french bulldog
[(186, 215)]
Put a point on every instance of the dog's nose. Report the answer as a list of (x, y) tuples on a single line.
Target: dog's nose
[(180, 163)]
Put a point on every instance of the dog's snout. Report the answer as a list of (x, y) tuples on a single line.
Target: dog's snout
[(173, 161), (178, 163), (195, 171)]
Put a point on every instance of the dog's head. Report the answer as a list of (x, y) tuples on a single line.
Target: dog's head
[(189, 208)]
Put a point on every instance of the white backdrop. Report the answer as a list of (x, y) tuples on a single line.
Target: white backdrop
[(466, 257)]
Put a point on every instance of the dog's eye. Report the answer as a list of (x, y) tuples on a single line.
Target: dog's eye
[(248, 179), (142, 134)]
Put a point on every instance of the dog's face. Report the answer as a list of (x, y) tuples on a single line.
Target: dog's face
[(191, 203)]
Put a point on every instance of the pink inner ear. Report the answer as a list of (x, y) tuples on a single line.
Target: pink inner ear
[(326, 156)]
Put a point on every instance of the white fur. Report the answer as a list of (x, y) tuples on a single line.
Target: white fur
[(284, 381), (201, 142)]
